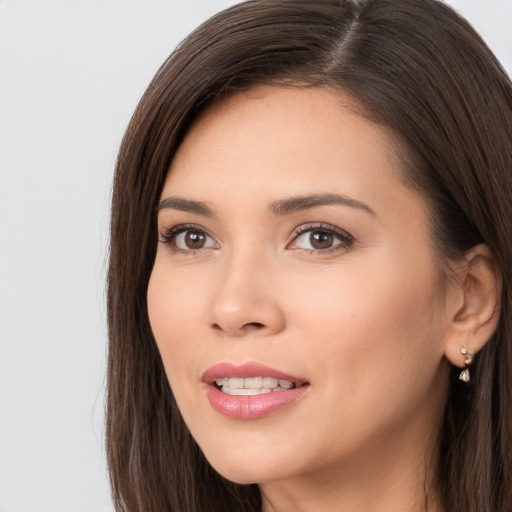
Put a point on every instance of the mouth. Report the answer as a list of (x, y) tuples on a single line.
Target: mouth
[(249, 386), (255, 378), (251, 390)]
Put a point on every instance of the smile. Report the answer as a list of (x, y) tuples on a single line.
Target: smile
[(252, 390), (253, 385)]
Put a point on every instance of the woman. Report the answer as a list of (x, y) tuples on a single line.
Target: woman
[(309, 286)]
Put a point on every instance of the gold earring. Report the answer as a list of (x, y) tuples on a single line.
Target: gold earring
[(468, 359)]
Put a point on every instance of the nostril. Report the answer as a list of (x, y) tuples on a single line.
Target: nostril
[(251, 325), (254, 325), (239, 331)]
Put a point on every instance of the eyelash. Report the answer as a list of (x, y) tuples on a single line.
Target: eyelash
[(347, 241)]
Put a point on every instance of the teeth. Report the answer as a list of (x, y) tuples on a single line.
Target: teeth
[(269, 382), (286, 384), (235, 383), (253, 385), (245, 392)]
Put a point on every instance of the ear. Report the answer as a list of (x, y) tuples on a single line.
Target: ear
[(476, 308)]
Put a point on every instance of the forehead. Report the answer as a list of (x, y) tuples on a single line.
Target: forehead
[(299, 133)]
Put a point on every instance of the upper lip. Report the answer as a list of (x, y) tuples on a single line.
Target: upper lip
[(250, 369)]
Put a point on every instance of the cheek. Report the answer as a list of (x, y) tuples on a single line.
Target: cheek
[(175, 313), (367, 323)]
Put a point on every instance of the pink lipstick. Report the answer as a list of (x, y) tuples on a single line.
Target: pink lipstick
[(251, 390)]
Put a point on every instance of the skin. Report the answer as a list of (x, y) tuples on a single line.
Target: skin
[(367, 321)]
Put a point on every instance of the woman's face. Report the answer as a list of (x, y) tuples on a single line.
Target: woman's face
[(291, 251)]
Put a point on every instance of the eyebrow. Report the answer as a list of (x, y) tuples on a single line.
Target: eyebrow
[(277, 208), (186, 205), (294, 204)]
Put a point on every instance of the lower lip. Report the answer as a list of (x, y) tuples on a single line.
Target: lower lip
[(254, 406)]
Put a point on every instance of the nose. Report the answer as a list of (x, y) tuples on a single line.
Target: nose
[(246, 299)]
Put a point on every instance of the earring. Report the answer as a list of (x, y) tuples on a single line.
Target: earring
[(464, 374)]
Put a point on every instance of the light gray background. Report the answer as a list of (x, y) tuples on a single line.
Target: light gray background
[(71, 72)]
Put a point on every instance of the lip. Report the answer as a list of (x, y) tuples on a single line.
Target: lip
[(254, 406), (231, 370)]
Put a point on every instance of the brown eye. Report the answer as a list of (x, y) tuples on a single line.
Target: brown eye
[(321, 239), (194, 239)]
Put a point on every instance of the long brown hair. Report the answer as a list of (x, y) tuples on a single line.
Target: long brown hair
[(412, 65)]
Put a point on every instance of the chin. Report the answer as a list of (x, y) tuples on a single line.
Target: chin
[(246, 469)]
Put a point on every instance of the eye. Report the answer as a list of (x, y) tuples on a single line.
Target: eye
[(321, 238), (187, 238)]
